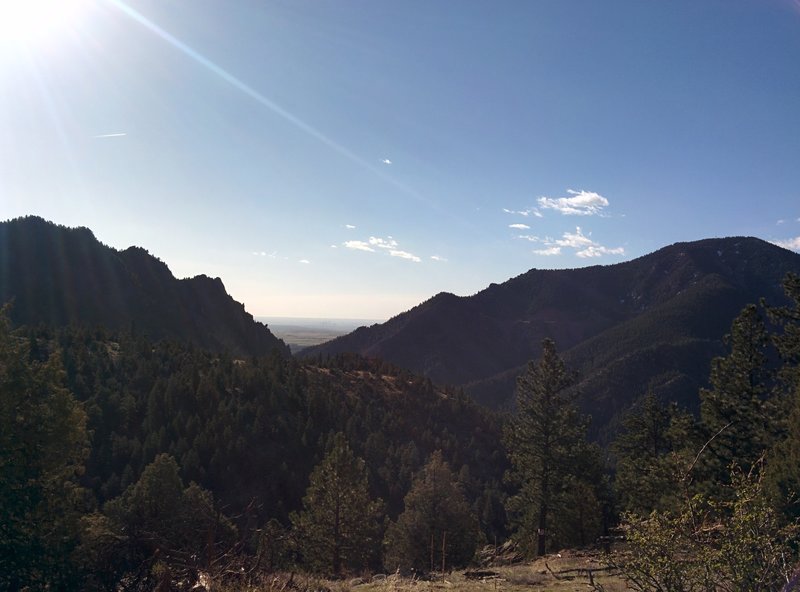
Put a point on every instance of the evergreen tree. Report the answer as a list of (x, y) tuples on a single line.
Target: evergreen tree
[(787, 341), (739, 419), (339, 527), (651, 451), (43, 446), (546, 440), (783, 470), (436, 516), (156, 523)]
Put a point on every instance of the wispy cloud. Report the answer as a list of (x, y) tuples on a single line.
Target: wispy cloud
[(383, 243), (386, 161), (599, 251), (527, 212), (793, 244), (272, 255), (376, 243), (529, 237), (582, 245), (781, 221), (438, 258), (358, 245), (579, 203), (549, 251), (404, 255), (304, 261), (574, 240), (349, 227), (117, 135), (519, 226)]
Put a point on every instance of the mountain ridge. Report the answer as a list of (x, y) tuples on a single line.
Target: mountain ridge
[(677, 299), (58, 276)]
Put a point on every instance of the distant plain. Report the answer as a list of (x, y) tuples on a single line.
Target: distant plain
[(301, 332)]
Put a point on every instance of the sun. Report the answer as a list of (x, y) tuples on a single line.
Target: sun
[(31, 22)]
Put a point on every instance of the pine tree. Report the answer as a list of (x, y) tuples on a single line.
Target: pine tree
[(787, 341), (153, 522), (651, 451), (738, 417), (43, 447), (339, 527), (546, 440), (436, 515)]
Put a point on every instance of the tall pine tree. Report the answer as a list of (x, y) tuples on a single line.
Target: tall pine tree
[(546, 440), (739, 418), (436, 518), (339, 527)]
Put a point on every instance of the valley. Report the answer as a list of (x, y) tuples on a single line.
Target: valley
[(167, 433)]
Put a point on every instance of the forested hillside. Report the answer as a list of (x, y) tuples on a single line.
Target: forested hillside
[(61, 276), (654, 322), (149, 464)]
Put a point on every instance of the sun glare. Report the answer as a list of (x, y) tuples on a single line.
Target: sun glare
[(32, 22)]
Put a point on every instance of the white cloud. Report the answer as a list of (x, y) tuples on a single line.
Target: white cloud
[(304, 261), (529, 237), (575, 240), (404, 255), (334, 246), (526, 213), (580, 203), (582, 244), (259, 253), (599, 251), (383, 243), (386, 161), (358, 246), (116, 135), (519, 226), (375, 243), (548, 251), (438, 258), (781, 221), (349, 226), (793, 244)]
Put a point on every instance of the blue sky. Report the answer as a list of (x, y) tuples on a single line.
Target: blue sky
[(353, 158)]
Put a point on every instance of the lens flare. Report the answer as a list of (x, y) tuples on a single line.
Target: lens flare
[(31, 22)]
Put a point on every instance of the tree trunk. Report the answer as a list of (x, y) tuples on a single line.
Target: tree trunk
[(540, 547)]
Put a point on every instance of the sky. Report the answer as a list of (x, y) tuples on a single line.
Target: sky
[(352, 158)]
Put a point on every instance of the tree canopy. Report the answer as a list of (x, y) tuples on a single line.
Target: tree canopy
[(340, 524)]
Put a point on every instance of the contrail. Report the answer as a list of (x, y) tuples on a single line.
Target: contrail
[(232, 80), (271, 105), (110, 135)]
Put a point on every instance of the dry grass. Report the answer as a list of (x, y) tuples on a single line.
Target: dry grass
[(568, 572)]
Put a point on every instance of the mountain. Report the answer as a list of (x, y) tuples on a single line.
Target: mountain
[(655, 321), (59, 276)]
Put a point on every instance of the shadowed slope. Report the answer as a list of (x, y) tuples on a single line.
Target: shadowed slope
[(60, 276), (657, 320)]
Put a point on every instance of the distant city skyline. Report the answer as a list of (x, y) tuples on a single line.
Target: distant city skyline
[(350, 159)]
